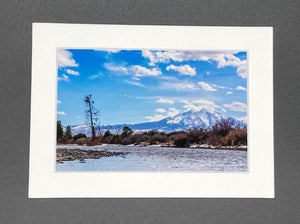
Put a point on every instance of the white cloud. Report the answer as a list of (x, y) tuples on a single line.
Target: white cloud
[(221, 87), (224, 110), (139, 71), (192, 107), (58, 102), (64, 59), (134, 83), (206, 86), (61, 113), (156, 117), (96, 76), (142, 71), (197, 105), (183, 69), (222, 58), (172, 112), (115, 68), (160, 110), (242, 70), (241, 88), (236, 106), (72, 72), (179, 56), (168, 78), (229, 60), (63, 78), (135, 78), (183, 86), (161, 56), (165, 101), (148, 54), (92, 77), (229, 92)]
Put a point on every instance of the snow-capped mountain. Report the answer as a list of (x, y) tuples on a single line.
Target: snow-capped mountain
[(184, 121)]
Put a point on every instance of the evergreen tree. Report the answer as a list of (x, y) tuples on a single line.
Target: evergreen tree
[(107, 133), (59, 130), (68, 132), (126, 131)]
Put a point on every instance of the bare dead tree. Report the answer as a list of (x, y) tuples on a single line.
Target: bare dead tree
[(91, 114), (98, 130), (118, 131)]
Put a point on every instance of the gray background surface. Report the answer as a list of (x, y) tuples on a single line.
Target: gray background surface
[(15, 77)]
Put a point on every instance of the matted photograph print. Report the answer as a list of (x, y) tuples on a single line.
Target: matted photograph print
[(151, 110)]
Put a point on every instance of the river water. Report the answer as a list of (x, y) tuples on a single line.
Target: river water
[(160, 159)]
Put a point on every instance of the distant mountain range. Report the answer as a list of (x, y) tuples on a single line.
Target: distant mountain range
[(184, 121)]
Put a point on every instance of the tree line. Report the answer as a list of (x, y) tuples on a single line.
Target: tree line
[(222, 133)]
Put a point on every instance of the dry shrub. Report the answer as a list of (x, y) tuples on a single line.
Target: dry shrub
[(160, 137), (181, 141), (80, 141), (116, 139)]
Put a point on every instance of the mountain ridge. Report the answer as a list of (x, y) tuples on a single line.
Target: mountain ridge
[(180, 122)]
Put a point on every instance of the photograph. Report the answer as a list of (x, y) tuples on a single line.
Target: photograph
[(151, 110)]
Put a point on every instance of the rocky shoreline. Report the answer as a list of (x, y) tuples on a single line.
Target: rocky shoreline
[(203, 146), (81, 155)]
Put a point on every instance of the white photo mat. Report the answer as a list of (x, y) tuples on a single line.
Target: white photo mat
[(45, 182)]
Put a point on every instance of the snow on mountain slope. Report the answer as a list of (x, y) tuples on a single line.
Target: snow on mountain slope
[(184, 121), (199, 119)]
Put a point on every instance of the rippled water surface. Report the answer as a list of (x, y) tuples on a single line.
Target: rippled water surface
[(155, 158)]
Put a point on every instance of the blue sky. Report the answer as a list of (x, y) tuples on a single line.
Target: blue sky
[(134, 86)]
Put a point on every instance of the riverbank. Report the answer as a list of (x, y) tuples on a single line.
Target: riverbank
[(198, 146), (195, 146), (205, 146), (68, 153), (64, 154)]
